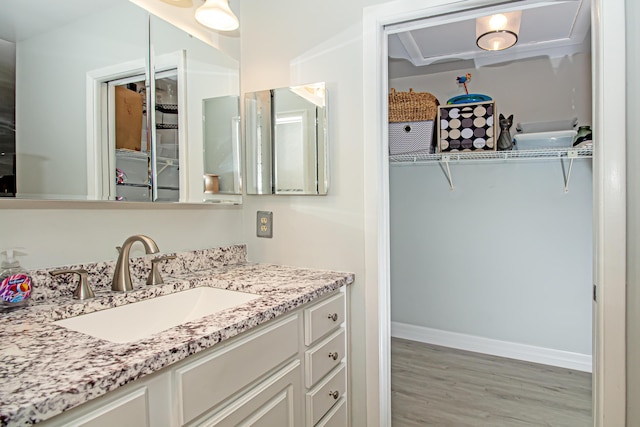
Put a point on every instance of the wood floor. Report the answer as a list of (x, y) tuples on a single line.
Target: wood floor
[(438, 386)]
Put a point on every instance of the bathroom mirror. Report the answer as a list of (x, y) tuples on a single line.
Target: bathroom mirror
[(83, 65), (286, 140)]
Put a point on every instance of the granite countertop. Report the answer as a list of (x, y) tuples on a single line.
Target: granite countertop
[(46, 369)]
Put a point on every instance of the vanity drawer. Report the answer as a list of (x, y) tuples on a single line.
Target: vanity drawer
[(324, 357), (337, 416), (207, 382), (323, 318), (322, 398)]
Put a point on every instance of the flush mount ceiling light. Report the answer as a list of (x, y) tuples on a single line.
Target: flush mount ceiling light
[(217, 15), (498, 32)]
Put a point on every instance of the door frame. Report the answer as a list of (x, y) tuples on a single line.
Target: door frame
[(609, 205)]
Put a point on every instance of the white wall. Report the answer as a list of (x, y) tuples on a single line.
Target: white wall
[(184, 18), (507, 255), (62, 233), (633, 213), (286, 42), (51, 135)]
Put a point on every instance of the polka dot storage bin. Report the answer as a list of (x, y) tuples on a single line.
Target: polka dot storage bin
[(467, 127)]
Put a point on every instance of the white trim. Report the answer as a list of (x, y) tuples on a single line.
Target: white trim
[(609, 211), (607, 120), (511, 350), (97, 152), (99, 155)]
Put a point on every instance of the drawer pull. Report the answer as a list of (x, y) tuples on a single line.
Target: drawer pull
[(334, 394), (333, 317), (334, 355)]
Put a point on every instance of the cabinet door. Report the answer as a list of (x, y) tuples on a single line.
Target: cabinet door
[(208, 382), (130, 410), (273, 403)]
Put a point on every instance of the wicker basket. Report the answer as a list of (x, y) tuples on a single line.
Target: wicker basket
[(412, 106)]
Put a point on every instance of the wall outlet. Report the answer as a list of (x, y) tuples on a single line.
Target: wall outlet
[(265, 224)]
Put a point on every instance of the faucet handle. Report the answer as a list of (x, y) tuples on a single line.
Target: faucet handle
[(154, 275), (83, 290)]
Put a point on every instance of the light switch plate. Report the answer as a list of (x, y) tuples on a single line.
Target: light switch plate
[(265, 224)]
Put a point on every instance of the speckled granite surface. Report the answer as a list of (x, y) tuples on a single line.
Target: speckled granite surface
[(46, 369)]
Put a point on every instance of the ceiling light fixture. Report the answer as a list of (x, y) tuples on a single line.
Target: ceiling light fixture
[(217, 15), (498, 32)]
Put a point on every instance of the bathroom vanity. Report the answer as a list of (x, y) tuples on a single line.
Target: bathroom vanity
[(279, 359)]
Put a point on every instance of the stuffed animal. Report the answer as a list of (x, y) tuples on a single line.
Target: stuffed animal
[(505, 142)]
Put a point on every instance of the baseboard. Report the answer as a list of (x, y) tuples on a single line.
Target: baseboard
[(529, 353)]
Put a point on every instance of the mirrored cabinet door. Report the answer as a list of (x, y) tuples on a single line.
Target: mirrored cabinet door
[(91, 123), (286, 138), (56, 52), (208, 113)]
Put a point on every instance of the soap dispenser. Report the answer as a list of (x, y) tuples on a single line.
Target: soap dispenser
[(15, 284)]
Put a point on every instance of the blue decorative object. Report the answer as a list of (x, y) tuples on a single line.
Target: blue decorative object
[(467, 98)]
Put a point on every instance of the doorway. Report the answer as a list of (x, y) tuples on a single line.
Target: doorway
[(609, 78), (493, 257)]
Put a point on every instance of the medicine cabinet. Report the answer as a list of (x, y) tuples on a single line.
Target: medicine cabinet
[(286, 140), (109, 106)]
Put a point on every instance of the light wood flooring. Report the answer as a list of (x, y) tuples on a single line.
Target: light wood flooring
[(439, 386)]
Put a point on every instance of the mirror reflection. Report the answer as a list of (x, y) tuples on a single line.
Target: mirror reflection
[(221, 121), (207, 141), (286, 135), (80, 71)]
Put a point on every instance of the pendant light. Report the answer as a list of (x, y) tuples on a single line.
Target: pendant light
[(498, 32), (217, 15)]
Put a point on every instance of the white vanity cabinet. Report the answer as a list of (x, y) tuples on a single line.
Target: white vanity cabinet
[(290, 371)]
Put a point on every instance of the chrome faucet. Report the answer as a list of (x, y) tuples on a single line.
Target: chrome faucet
[(122, 275)]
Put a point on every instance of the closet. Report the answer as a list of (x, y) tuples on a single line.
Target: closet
[(492, 252)]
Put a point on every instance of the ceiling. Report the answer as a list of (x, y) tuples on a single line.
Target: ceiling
[(447, 42)]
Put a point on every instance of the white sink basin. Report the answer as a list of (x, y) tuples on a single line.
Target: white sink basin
[(136, 321)]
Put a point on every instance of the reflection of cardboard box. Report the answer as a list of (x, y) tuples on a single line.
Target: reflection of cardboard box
[(128, 119), (211, 183)]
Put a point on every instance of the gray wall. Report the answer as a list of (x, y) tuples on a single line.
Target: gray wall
[(633, 214), (508, 254)]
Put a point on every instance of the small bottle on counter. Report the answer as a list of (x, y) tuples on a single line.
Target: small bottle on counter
[(15, 283)]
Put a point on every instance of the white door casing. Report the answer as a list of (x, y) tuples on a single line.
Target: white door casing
[(609, 211), (609, 200)]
